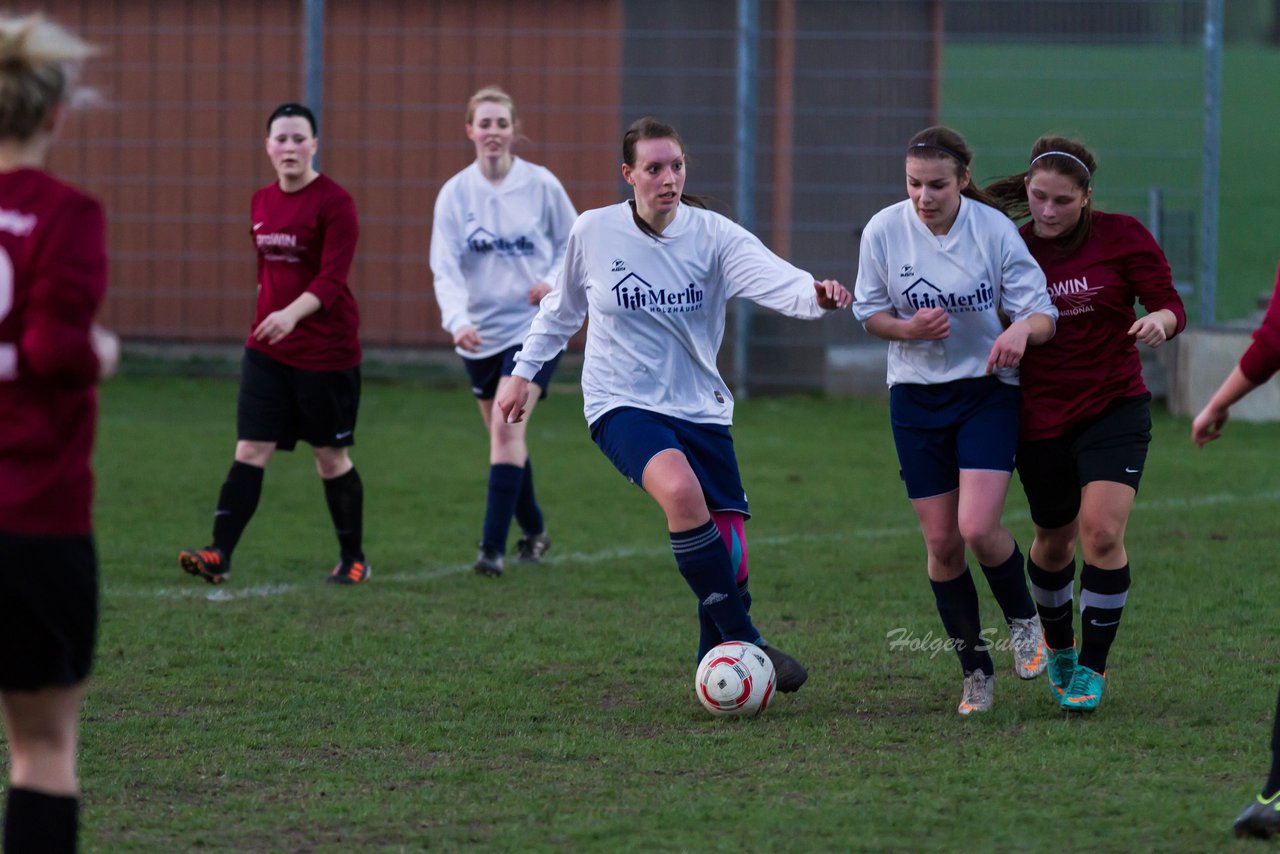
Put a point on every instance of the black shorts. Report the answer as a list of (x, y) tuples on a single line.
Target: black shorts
[(48, 610), (1112, 446), (485, 373), (282, 404)]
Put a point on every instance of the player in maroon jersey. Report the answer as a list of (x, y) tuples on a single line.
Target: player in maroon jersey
[(1086, 422), (300, 376), (53, 274), (1258, 364)]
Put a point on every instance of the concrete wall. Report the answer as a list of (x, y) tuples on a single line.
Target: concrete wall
[(1201, 359)]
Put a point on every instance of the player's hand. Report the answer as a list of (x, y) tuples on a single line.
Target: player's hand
[(1149, 330), (1010, 346), (512, 398), (538, 291), (832, 295), (276, 326), (106, 346), (1207, 426), (929, 324), (467, 338)]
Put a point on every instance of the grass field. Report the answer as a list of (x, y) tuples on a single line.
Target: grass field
[(552, 710)]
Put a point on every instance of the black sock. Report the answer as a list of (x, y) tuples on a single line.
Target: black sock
[(236, 504), (500, 506), (704, 562), (708, 632), (345, 496), (1052, 592), (1273, 779), (1009, 586), (35, 823), (528, 513), (1102, 597), (957, 602)]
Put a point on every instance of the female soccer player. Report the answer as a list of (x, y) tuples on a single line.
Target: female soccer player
[(53, 274), (300, 376), (935, 274), (1258, 364), (655, 273), (1086, 423), (497, 245)]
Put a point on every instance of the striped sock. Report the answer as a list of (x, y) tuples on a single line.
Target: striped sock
[(1102, 598), (1052, 592)]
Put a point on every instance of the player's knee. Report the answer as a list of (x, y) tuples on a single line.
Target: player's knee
[(332, 462), (254, 453)]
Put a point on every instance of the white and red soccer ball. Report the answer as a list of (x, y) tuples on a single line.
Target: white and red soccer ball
[(735, 678)]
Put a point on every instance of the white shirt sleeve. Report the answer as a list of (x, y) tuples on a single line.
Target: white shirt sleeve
[(755, 273), (871, 289), (560, 215), (560, 314), (1023, 291), (450, 284)]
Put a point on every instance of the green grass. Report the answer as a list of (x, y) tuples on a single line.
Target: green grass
[(1140, 109), (552, 710)]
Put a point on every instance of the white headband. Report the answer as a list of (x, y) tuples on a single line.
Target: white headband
[(1086, 169)]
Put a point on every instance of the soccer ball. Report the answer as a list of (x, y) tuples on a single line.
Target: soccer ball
[(734, 678)]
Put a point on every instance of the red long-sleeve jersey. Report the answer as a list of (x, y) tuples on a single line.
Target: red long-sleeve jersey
[(1260, 362), (53, 275), (306, 241), (1092, 359)]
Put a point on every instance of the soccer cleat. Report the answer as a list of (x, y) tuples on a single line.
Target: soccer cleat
[(210, 564), (1084, 692), (1027, 639), (1261, 819), (1062, 664), (789, 674), (488, 563), (350, 572), (530, 549), (979, 691)]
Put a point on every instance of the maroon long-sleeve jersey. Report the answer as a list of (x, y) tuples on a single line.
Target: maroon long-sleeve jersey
[(1092, 359), (306, 241), (53, 275), (1260, 362)]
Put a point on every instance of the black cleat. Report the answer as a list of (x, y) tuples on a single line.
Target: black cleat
[(531, 549), (210, 564), (350, 572), (1261, 819), (789, 674), (488, 564)]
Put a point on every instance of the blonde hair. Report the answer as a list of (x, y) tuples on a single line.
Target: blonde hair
[(40, 65), (492, 95)]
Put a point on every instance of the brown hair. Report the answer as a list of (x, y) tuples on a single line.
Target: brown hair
[(943, 143), (650, 128), (39, 65), (1064, 157)]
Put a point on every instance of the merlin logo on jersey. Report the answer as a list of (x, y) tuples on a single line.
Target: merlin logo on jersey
[(483, 242), (924, 294), (1072, 297), (636, 294)]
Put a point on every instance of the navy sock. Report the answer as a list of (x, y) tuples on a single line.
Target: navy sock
[(957, 602), (1009, 586), (345, 497), (236, 504), (36, 823), (1273, 779), (528, 513), (704, 562), (1102, 596), (504, 491), (1052, 592), (708, 633)]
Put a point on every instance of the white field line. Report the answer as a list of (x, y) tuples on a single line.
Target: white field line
[(199, 590)]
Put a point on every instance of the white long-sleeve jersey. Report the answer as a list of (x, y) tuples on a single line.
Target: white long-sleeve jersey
[(657, 309), (980, 266), (489, 245)]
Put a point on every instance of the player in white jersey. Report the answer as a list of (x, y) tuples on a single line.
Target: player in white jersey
[(656, 275), (947, 279), (497, 245)]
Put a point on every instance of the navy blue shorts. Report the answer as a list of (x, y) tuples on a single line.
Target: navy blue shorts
[(485, 373), (282, 404), (1111, 446), (943, 428), (48, 610), (631, 437)]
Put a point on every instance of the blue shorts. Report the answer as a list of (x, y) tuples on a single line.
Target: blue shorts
[(941, 429), (485, 373), (631, 437)]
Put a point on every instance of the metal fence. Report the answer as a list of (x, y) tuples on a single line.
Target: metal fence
[(831, 88)]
